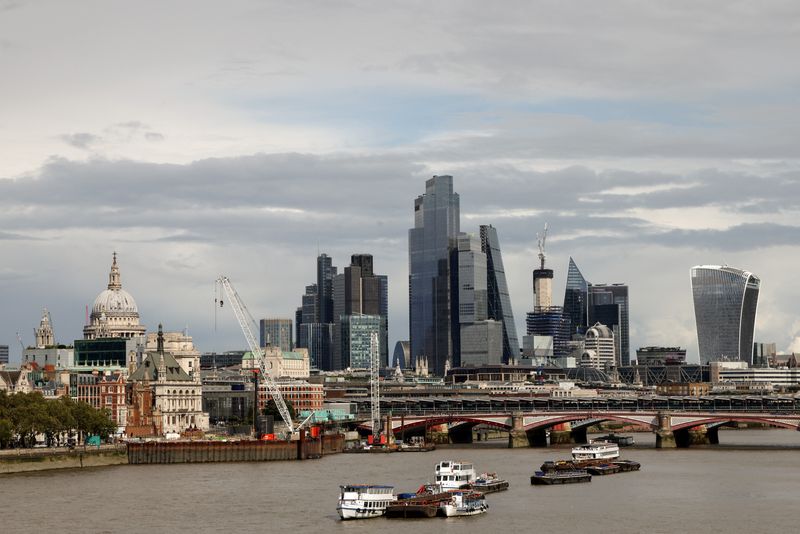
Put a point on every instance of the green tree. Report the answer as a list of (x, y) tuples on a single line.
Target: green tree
[(272, 409), (6, 433)]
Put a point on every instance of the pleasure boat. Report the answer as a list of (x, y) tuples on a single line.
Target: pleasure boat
[(465, 502), (596, 450), (455, 475), (362, 501)]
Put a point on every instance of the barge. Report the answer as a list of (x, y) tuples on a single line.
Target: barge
[(541, 478)]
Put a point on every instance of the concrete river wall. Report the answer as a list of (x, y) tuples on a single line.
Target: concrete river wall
[(169, 452), (23, 460), (178, 452)]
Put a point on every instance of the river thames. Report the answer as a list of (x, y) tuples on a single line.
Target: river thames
[(734, 487)]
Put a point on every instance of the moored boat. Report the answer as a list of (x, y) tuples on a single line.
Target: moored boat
[(489, 483), (603, 469), (622, 441), (465, 503), (596, 450), (540, 478), (627, 465), (364, 501), (455, 474)]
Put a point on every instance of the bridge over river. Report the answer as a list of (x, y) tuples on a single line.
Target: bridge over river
[(676, 421)]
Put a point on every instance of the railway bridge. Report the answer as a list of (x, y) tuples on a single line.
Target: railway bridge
[(672, 429)]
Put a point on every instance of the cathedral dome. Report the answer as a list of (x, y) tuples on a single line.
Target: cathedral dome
[(114, 312), (113, 302)]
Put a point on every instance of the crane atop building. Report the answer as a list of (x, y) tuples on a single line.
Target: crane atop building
[(540, 238), (245, 320)]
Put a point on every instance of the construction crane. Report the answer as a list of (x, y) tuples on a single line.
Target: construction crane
[(374, 384), (245, 320), (540, 238)]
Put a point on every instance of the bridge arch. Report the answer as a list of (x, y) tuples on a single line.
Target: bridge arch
[(449, 419), (595, 417), (718, 421)]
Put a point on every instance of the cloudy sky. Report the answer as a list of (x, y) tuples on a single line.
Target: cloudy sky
[(198, 138)]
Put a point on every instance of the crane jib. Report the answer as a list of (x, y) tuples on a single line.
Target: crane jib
[(244, 318)]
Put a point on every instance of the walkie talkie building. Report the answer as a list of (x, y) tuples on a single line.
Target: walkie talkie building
[(725, 304)]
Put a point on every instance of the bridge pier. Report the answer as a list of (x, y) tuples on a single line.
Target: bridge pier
[(517, 437), (665, 438), (699, 436), (561, 434), (437, 434), (713, 435)]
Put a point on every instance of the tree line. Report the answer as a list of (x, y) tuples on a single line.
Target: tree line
[(24, 416)]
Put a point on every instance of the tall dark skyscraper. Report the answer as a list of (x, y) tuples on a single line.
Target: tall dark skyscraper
[(315, 332), (430, 244), (358, 291), (576, 300), (607, 301), (325, 273), (498, 298), (725, 305)]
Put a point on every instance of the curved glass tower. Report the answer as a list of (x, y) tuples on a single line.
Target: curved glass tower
[(725, 303)]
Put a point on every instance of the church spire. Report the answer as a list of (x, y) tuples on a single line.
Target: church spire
[(114, 281)]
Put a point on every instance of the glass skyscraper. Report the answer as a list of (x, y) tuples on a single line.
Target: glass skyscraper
[(498, 298), (430, 244), (607, 302), (576, 300), (725, 304)]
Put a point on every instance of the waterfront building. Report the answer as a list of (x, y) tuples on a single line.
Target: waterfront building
[(660, 356), (276, 332), (114, 312), (599, 348), (609, 305), (652, 375), (739, 374), (430, 244), (498, 298), (175, 395), (3, 354), (402, 354), (112, 389), (576, 300), (725, 305), (684, 389)]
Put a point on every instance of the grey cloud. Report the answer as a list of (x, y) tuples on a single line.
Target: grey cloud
[(82, 140), (153, 136)]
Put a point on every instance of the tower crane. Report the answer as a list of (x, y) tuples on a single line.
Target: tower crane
[(541, 238), (374, 385), (243, 316)]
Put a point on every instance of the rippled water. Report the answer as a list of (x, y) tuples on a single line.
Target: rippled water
[(729, 488)]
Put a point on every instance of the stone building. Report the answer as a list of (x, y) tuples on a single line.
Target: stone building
[(175, 399), (114, 313)]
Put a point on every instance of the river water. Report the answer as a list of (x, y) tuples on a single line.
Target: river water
[(738, 486)]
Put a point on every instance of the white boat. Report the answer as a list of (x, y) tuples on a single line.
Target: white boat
[(452, 475), (596, 450), (465, 502), (364, 501)]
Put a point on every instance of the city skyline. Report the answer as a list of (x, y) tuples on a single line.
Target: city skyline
[(245, 142)]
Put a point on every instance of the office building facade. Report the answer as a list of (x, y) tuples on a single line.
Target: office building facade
[(576, 300), (498, 298), (3, 354), (431, 243), (725, 306), (357, 331), (276, 332), (609, 305)]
